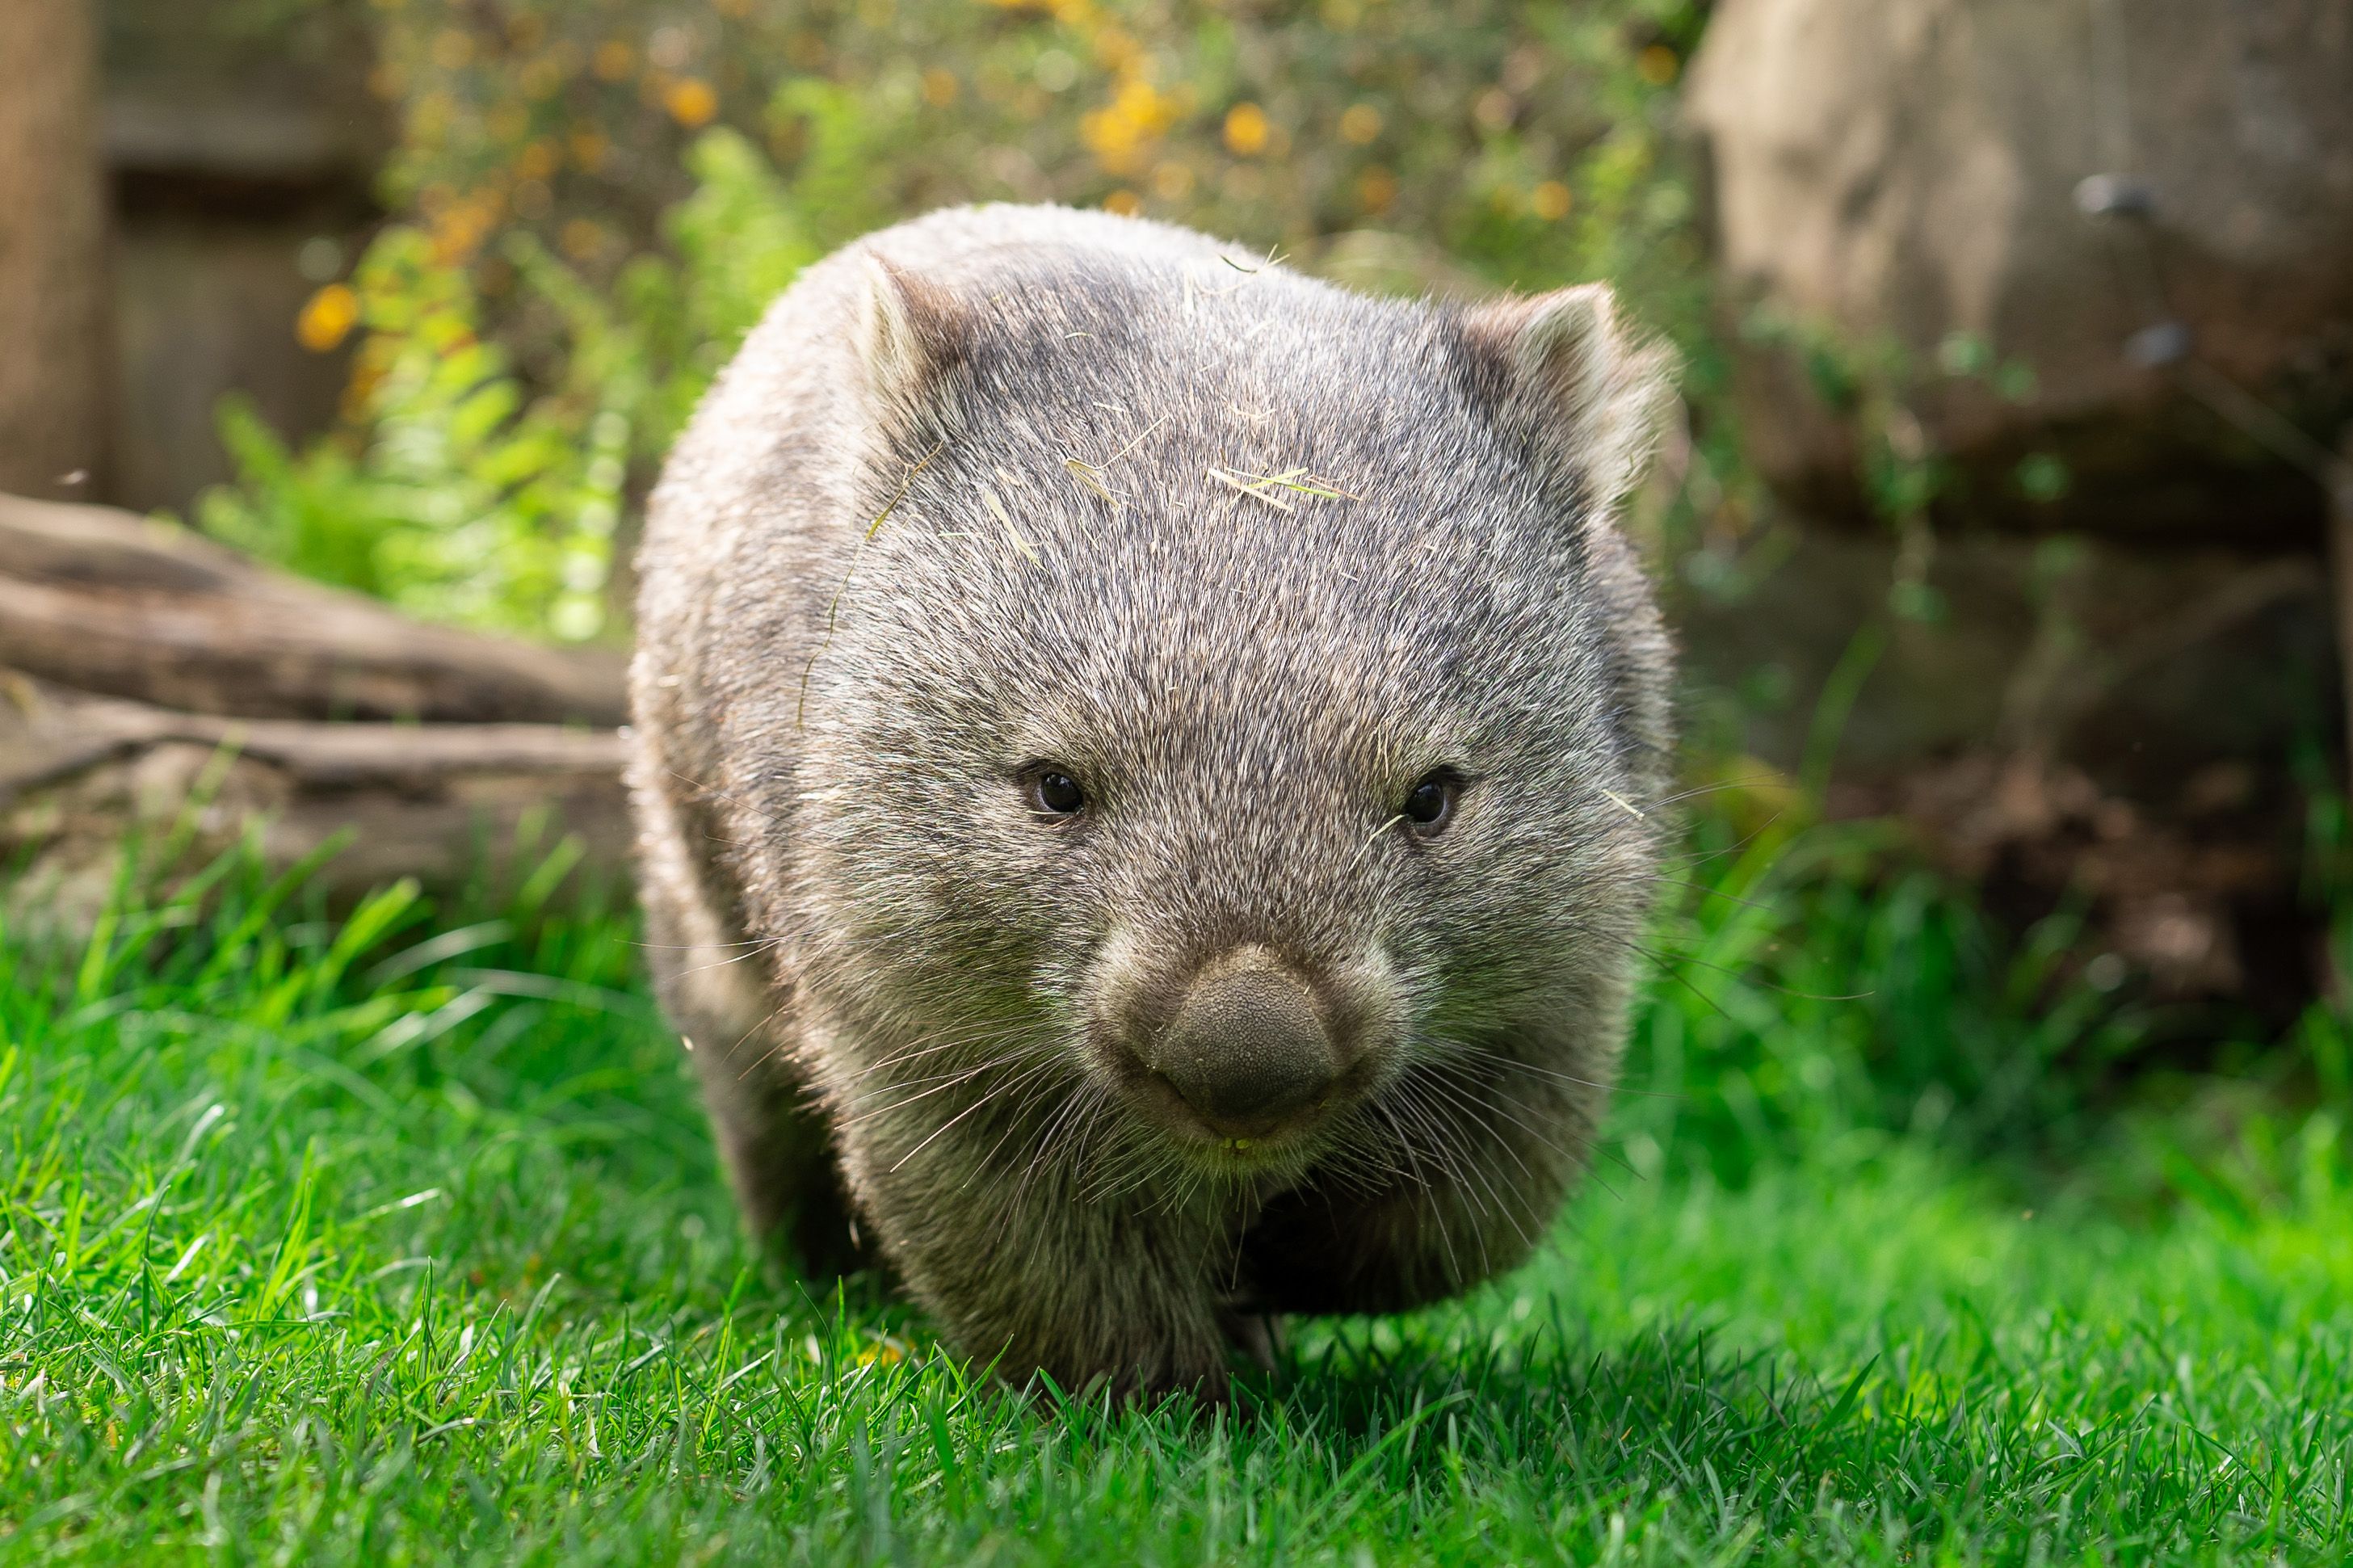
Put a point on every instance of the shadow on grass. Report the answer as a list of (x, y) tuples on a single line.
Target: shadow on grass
[(1543, 1397)]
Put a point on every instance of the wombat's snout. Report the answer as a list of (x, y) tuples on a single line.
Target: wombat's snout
[(1247, 1050)]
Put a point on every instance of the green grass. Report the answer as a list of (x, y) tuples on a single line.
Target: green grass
[(360, 1242)]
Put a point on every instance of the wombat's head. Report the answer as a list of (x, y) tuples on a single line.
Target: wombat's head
[(1242, 702)]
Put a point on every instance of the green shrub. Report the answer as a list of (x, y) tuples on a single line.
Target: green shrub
[(467, 489)]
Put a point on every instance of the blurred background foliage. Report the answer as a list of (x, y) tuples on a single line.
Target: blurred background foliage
[(593, 199), (587, 203)]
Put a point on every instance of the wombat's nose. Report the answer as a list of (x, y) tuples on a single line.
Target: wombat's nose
[(1246, 1050)]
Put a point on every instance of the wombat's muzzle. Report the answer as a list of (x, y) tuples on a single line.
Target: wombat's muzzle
[(1247, 1050)]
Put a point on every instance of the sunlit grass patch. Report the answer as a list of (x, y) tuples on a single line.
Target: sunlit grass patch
[(354, 1239)]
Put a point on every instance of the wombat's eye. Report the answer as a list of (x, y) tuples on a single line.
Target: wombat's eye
[(1055, 793), (1431, 805)]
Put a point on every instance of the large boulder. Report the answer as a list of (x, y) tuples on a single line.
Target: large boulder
[(1901, 208)]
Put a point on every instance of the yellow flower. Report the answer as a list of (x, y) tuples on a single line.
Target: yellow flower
[(1119, 133), (691, 103), (1550, 201), (613, 60), (1360, 125), (1376, 189), (940, 87), (1657, 65), (459, 229), (327, 318), (1246, 130), (1125, 203)]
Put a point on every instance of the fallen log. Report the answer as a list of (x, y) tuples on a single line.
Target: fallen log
[(81, 778), (111, 603), (160, 691)]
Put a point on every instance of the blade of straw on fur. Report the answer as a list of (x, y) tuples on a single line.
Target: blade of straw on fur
[(1253, 489), (1088, 475), (1624, 804), (1306, 483), (1141, 437), (1298, 479), (997, 510), (1371, 839), (833, 606)]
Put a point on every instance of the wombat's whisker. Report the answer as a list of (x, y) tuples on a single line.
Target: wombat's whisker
[(1413, 1096), (735, 958), (702, 788), (1034, 1070), (1460, 1179), (939, 1086), (1359, 1160), (1034, 1153), (698, 947), (729, 1055), (1705, 1000), (1463, 1095), (986, 1040), (1749, 979), (1586, 1143), (1022, 1115), (1737, 847), (1705, 891), (919, 1047), (1482, 1180), (1697, 790), (1513, 1064), (1437, 1205), (999, 1175), (1085, 1163)]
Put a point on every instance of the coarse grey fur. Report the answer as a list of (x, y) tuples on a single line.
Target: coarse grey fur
[(990, 491)]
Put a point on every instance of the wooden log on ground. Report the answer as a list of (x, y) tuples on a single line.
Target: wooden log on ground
[(159, 689), (449, 804), (108, 602)]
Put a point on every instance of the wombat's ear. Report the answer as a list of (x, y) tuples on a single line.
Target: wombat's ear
[(1563, 373), (911, 333)]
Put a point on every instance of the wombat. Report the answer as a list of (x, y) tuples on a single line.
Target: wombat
[(1148, 769)]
